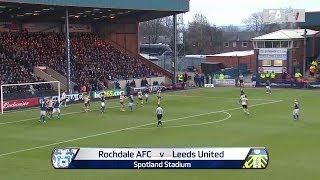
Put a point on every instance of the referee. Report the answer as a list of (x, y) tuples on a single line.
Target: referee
[(159, 113)]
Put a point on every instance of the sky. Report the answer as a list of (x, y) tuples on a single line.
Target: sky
[(226, 12)]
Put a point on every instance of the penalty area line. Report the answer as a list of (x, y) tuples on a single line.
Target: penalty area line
[(125, 129)]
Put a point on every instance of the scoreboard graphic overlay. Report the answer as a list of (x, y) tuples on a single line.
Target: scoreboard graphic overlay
[(160, 158)]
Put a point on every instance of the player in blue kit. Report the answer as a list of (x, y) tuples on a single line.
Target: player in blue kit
[(103, 105), (146, 94), (56, 108), (43, 110), (268, 87), (131, 102)]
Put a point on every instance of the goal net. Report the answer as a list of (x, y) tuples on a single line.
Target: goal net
[(27, 95)]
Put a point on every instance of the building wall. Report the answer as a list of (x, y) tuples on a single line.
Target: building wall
[(124, 34), (235, 61), (293, 63), (238, 46), (296, 59)]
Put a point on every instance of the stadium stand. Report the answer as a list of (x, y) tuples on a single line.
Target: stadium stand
[(93, 60)]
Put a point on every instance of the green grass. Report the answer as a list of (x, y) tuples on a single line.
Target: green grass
[(293, 146)]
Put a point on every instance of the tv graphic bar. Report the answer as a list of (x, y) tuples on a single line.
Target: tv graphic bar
[(160, 158)]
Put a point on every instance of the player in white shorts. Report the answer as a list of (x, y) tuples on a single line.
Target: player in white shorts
[(64, 98), (296, 109), (140, 95), (244, 103)]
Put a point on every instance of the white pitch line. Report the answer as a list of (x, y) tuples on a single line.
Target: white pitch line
[(188, 125), (13, 122), (125, 129), (219, 97), (30, 119)]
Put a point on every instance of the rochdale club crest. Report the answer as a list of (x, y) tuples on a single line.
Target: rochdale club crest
[(61, 158)]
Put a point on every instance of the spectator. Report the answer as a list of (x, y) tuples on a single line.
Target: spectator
[(93, 60)]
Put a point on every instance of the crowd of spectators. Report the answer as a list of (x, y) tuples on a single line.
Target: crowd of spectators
[(13, 72), (94, 62)]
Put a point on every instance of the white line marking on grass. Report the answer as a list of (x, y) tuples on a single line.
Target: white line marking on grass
[(13, 122), (126, 129), (188, 125), (219, 97)]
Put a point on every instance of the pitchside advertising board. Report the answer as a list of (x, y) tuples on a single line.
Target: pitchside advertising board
[(32, 102), (160, 158), (151, 89), (108, 93), (289, 84), (70, 97), (225, 82), (20, 103)]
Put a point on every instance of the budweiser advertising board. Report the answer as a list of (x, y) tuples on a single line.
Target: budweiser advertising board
[(20, 103)]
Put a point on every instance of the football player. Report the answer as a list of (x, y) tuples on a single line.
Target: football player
[(244, 103), (122, 98), (159, 96), (140, 97), (296, 109)]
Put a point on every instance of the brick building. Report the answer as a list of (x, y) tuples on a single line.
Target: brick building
[(284, 50), (237, 41), (235, 59)]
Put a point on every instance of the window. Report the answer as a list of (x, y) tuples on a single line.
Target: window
[(278, 63), (276, 44), (226, 44), (266, 63), (234, 44), (244, 44), (261, 44), (268, 44), (284, 44), (295, 44)]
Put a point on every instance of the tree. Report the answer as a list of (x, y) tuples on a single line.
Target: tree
[(254, 22), (268, 28), (202, 37), (230, 28), (152, 30)]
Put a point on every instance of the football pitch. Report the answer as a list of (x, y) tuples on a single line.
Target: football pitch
[(192, 118)]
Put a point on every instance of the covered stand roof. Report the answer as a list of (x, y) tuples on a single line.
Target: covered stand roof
[(286, 34), (90, 10)]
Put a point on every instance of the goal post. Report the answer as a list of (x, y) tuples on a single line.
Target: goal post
[(26, 95)]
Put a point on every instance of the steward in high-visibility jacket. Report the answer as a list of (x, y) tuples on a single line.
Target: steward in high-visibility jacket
[(273, 75), (315, 63), (221, 76), (268, 75), (180, 77), (297, 75), (262, 76)]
